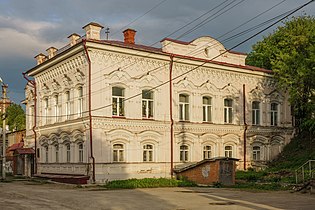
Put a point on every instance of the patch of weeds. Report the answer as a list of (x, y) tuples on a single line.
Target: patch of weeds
[(217, 184), (148, 183)]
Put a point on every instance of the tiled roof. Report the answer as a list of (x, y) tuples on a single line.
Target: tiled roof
[(15, 146)]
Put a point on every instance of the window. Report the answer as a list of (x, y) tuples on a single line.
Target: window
[(57, 153), (256, 113), (118, 153), (56, 108), (118, 95), (46, 110), (147, 153), (206, 152), (46, 154), (228, 151), (80, 101), (183, 153), (183, 107), (206, 107), (256, 153), (80, 152), (68, 106), (228, 111), (274, 114), (147, 104), (68, 151)]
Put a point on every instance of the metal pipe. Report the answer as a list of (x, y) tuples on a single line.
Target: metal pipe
[(90, 107), (171, 115), (4, 98), (33, 83), (245, 124)]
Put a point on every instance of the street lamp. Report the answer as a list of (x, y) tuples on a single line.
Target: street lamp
[(4, 98)]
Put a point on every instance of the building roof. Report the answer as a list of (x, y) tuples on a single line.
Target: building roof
[(15, 146), (185, 167), (23, 151)]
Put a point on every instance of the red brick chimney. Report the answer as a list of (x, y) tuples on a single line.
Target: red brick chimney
[(129, 36)]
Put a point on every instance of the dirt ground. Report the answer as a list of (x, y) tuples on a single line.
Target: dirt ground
[(34, 195)]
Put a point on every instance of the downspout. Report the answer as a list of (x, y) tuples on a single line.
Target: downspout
[(245, 124), (171, 116), (33, 83), (90, 107)]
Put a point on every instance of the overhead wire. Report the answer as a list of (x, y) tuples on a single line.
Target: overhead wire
[(235, 46)]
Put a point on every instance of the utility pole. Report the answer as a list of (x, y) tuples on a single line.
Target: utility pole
[(4, 100)]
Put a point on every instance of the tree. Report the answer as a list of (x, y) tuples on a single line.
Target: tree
[(290, 53), (15, 117)]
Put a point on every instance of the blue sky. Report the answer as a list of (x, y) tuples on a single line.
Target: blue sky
[(28, 28)]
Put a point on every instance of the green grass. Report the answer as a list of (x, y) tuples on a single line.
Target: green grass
[(148, 183)]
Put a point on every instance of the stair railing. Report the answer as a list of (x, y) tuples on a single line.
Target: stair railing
[(305, 172)]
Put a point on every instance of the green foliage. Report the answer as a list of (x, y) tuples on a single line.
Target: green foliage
[(148, 183), (290, 53), (15, 117), (250, 176)]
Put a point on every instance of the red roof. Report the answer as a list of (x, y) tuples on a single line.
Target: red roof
[(16, 146), (25, 151)]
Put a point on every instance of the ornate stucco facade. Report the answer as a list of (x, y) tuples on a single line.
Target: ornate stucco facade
[(103, 107)]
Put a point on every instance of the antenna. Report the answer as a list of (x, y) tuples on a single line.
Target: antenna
[(107, 33)]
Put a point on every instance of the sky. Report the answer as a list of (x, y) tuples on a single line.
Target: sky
[(28, 28)]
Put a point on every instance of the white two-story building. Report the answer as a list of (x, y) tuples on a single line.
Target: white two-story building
[(118, 110)]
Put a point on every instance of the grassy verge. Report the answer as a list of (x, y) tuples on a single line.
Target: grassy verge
[(148, 183)]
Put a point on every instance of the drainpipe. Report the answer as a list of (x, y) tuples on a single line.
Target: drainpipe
[(245, 124), (90, 107), (33, 83), (171, 116)]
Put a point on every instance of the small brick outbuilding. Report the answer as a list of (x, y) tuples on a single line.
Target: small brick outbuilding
[(209, 171)]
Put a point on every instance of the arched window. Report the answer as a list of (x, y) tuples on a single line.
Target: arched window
[(206, 152), (46, 108), (80, 147), (118, 153), (228, 151), (56, 153), (183, 153), (207, 109), (255, 112), (147, 104), (68, 106), (228, 110), (56, 108), (274, 114), (68, 152), (118, 96), (256, 153), (80, 101), (183, 107), (46, 153), (147, 153)]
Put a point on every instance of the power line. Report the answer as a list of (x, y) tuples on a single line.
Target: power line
[(235, 46)]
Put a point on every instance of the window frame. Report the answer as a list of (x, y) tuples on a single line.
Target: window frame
[(228, 111), (68, 104), (183, 106), (148, 105), (118, 103), (207, 109), (56, 153), (68, 152), (183, 153), (80, 152), (274, 114), (80, 101), (118, 152), (256, 153), (228, 152), (148, 153), (207, 153), (256, 116)]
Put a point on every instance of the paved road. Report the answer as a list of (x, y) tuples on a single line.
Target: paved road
[(29, 195)]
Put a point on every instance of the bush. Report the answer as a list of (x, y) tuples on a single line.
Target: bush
[(148, 183)]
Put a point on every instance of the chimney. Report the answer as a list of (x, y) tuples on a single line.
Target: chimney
[(40, 58), (51, 52), (93, 31), (129, 36), (73, 38)]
